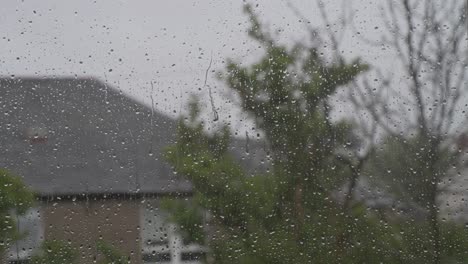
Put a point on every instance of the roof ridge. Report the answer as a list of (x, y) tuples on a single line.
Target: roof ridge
[(50, 77), (91, 78)]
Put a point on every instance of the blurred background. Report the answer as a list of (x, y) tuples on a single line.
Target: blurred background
[(234, 131)]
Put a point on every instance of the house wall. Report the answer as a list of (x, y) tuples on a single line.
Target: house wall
[(82, 223)]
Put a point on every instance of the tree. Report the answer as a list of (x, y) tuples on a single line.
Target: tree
[(55, 252), (286, 214), (61, 252), (110, 254), (398, 169), (15, 199), (423, 114)]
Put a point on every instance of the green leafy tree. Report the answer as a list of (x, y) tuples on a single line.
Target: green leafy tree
[(55, 252), (15, 199), (400, 167), (110, 254), (61, 252), (426, 108), (288, 213)]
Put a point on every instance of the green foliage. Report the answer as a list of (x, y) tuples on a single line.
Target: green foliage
[(189, 217), (454, 241), (110, 254), (55, 252), (14, 197), (409, 171), (286, 214), (289, 214), (60, 252), (409, 168)]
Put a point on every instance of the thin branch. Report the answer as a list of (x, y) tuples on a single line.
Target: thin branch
[(213, 107)]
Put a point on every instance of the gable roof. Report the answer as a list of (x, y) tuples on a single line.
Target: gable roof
[(78, 135)]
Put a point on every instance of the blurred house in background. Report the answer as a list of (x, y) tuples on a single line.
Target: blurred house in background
[(94, 158)]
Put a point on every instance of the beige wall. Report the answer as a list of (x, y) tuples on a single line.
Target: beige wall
[(82, 223)]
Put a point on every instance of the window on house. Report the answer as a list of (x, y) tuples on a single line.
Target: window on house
[(30, 232), (162, 241)]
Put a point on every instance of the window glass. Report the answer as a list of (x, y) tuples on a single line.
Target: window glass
[(31, 234), (162, 241), (255, 131)]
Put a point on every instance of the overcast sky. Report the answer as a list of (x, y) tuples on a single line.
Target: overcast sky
[(131, 43)]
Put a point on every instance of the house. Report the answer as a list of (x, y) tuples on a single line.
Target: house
[(94, 158)]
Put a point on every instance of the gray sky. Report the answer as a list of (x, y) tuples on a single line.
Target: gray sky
[(131, 43)]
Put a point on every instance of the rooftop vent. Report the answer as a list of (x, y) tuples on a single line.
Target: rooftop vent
[(37, 134)]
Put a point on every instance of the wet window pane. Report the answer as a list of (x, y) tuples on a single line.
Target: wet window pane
[(234, 131)]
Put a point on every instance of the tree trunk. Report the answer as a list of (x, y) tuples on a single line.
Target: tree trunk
[(433, 208), (434, 223), (298, 206), (343, 238)]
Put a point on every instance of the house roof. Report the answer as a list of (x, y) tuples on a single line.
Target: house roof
[(70, 136), (78, 135)]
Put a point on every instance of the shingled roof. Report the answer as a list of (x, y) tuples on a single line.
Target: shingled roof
[(78, 135), (72, 136)]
